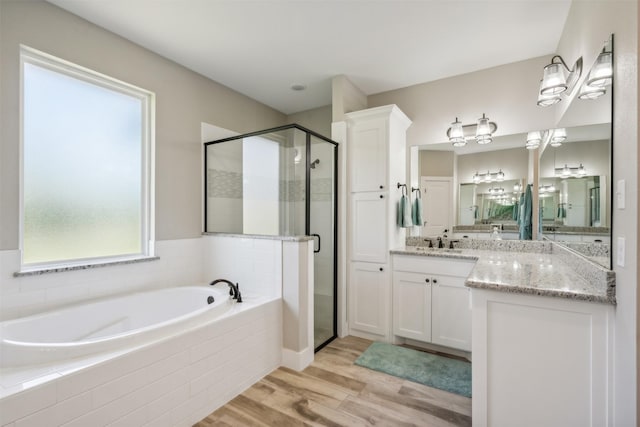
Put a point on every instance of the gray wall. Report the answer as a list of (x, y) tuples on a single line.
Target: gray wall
[(436, 163), (588, 25), (507, 94), (317, 120), (184, 99), (514, 162)]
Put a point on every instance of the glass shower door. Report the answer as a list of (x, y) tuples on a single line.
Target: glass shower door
[(321, 224)]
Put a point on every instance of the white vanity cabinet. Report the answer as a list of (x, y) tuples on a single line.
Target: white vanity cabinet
[(412, 305), (430, 301), (541, 361), (376, 163)]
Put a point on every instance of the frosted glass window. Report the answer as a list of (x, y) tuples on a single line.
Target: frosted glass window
[(85, 181)]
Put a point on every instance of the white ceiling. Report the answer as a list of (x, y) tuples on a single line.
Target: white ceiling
[(261, 47)]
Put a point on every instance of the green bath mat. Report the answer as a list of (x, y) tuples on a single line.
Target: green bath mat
[(424, 368)]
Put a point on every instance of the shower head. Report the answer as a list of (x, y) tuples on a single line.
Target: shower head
[(314, 163)]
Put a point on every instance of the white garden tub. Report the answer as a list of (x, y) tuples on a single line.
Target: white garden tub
[(109, 324)]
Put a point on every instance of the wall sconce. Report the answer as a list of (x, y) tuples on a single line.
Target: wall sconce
[(571, 172), (554, 81), (482, 131), (488, 177), (600, 76)]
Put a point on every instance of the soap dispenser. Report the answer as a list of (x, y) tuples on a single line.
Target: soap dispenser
[(495, 235)]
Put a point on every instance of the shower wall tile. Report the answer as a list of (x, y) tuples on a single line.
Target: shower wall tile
[(224, 184)]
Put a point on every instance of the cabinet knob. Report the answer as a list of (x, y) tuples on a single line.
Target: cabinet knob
[(426, 280), (382, 196), (435, 281), (381, 187), (381, 269)]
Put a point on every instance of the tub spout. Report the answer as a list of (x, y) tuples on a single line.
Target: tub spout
[(234, 290)]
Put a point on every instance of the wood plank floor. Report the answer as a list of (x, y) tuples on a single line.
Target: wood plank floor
[(333, 391)]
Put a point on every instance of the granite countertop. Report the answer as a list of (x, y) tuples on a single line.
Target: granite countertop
[(533, 273)]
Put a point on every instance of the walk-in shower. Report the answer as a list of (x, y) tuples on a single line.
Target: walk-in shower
[(280, 181)]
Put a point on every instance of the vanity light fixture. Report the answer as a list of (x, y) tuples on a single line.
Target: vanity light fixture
[(558, 136), (547, 100), (456, 134), (571, 172), (517, 188), (554, 80), (482, 132), (591, 92), (488, 177), (558, 78), (601, 74), (533, 140), (550, 188)]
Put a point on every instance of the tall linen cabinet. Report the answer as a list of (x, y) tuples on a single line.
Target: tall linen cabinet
[(376, 163)]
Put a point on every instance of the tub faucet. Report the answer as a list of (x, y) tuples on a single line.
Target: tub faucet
[(234, 290)]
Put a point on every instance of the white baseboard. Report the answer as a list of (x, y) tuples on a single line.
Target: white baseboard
[(297, 360)]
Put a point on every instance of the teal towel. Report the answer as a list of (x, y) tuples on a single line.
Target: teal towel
[(416, 214), (404, 213)]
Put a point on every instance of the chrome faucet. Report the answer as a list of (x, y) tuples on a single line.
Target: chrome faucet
[(234, 290)]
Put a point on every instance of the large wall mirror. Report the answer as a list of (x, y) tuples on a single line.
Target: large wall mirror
[(574, 186), (575, 178)]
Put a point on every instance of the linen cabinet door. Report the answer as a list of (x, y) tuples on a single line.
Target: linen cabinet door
[(369, 225), (369, 295)]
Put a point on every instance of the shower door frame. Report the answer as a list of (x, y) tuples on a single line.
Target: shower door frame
[(308, 134)]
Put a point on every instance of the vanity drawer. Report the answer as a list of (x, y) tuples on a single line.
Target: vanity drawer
[(433, 265)]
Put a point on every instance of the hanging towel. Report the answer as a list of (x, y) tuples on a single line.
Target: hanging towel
[(416, 213), (526, 225), (404, 212)]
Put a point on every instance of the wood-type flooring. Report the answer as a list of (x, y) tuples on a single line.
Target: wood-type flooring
[(333, 391)]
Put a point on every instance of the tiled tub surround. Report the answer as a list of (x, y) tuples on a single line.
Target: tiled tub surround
[(177, 379), (528, 267), (172, 382)]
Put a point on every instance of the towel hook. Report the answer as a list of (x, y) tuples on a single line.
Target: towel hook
[(418, 190), (404, 188)]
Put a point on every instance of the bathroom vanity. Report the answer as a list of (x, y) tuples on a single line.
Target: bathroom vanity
[(536, 317), (430, 301)]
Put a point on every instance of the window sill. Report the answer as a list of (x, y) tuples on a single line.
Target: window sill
[(36, 271)]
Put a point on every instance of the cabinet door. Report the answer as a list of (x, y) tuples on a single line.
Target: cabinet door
[(367, 156), (369, 296), (451, 313), (412, 306), (369, 225)]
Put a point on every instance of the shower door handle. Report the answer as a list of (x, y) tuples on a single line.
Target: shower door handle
[(314, 250)]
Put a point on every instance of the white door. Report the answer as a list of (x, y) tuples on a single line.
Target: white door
[(437, 205), (451, 320), (367, 149), (369, 219), (412, 306), (576, 202), (369, 296)]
